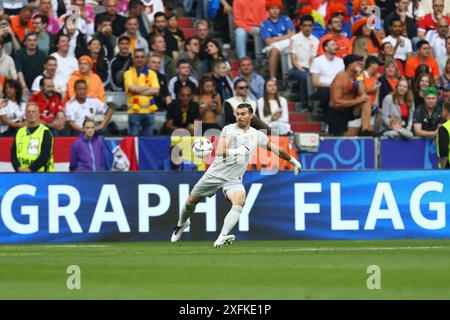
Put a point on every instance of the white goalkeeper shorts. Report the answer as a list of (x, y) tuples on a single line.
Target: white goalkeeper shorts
[(208, 185)]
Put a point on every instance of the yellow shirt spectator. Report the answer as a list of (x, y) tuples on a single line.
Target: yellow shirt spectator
[(144, 77)]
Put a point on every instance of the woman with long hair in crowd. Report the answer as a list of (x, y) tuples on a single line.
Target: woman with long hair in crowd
[(101, 63), (388, 80), (360, 29), (399, 104), (12, 108), (421, 82), (214, 53), (273, 109), (209, 103)]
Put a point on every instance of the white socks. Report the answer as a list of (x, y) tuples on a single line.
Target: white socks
[(231, 219), (186, 212)]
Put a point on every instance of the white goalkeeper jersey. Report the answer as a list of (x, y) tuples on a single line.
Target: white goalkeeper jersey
[(234, 167)]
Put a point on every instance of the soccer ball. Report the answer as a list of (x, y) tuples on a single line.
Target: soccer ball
[(202, 148)]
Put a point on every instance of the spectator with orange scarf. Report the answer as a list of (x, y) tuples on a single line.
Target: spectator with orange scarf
[(95, 84)]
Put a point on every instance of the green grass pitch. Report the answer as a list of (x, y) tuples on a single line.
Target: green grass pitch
[(410, 269)]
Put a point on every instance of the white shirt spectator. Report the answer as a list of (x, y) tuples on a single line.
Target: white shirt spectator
[(14, 112), (77, 112), (437, 43), (60, 84), (327, 69), (401, 51), (7, 66), (66, 66), (304, 48), (274, 107)]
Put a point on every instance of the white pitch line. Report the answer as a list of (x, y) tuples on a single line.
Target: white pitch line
[(28, 247)]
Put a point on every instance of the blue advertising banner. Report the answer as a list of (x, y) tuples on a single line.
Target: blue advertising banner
[(408, 154), (341, 154), (86, 207)]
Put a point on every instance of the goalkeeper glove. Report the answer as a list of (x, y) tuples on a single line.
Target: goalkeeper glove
[(242, 150), (296, 164)]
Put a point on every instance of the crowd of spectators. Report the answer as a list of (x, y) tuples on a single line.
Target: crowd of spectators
[(388, 75)]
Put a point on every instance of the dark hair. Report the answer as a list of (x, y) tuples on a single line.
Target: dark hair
[(245, 105), (153, 39), (139, 50), (446, 106), (188, 42), (17, 87), (43, 18), (305, 18), (395, 19), (48, 58), (2, 42), (101, 19), (373, 38), (123, 37), (29, 35), (184, 87), (159, 14), (325, 43), (134, 3), (131, 18), (86, 120), (204, 79), (101, 62), (41, 82), (238, 81), (79, 81), (182, 61), (59, 36), (421, 43), (267, 111), (245, 59)]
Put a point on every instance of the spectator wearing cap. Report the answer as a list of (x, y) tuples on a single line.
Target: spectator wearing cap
[(276, 32), (399, 103), (120, 64), (302, 50), (323, 71), (94, 83), (349, 101), (423, 57), (428, 116), (430, 20), (344, 45), (409, 27), (361, 30), (340, 10), (248, 16), (402, 45)]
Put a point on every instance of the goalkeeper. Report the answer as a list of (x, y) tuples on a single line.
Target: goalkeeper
[(237, 144)]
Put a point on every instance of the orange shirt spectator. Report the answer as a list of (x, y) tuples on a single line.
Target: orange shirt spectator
[(372, 49), (414, 62), (95, 88), (21, 30), (344, 45)]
